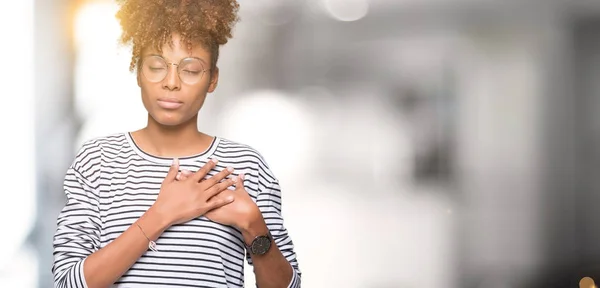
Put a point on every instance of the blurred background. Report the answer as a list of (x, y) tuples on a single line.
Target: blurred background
[(419, 143)]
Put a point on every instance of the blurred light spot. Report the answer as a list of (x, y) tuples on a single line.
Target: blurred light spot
[(274, 124), (95, 24), (100, 60), (96, 34), (346, 10), (587, 282)]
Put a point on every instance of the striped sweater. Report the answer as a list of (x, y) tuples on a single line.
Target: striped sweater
[(112, 182)]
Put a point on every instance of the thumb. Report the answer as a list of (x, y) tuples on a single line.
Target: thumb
[(172, 175), (239, 183)]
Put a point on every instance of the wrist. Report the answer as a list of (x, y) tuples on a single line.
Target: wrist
[(253, 229), (154, 222)]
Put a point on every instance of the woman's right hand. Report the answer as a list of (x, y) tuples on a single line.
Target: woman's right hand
[(182, 201)]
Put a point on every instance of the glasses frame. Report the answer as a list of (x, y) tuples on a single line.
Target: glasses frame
[(177, 65)]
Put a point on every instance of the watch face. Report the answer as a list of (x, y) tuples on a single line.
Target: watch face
[(261, 245)]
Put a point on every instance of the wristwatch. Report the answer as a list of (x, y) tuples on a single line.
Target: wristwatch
[(260, 245)]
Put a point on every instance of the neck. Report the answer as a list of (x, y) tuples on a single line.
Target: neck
[(172, 141)]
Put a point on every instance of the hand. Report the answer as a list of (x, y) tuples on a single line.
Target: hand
[(182, 200), (242, 213)]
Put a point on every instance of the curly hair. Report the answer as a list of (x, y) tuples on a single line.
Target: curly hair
[(151, 23)]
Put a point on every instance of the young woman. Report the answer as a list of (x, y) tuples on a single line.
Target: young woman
[(167, 205)]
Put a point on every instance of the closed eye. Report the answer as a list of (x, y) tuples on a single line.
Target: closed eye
[(191, 72)]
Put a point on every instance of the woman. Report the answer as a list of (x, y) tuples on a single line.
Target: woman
[(167, 205)]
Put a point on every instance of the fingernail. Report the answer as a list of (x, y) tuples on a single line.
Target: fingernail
[(234, 179), (230, 198), (242, 176), (230, 169), (214, 160), (175, 161)]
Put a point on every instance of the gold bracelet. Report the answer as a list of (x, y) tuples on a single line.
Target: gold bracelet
[(151, 244)]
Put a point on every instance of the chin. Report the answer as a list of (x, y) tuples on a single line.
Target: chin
[(168, 119)]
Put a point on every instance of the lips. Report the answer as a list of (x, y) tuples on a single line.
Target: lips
[(169, 103)]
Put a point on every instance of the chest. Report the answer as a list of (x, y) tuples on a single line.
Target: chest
[(124, 199)]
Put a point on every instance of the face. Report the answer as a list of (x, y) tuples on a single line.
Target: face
[(176, 98)]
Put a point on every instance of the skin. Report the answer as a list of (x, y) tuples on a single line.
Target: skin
[(174, 133)]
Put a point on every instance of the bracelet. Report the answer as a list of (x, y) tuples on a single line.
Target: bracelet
[(151, 244)]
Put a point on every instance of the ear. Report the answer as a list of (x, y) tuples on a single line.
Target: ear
[(214, 80)]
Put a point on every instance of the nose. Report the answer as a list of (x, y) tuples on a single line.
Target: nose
[(172, 81)]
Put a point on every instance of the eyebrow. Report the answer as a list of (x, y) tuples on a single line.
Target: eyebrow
[(161, 56)]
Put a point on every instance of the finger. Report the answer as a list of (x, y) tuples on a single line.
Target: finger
[(239, 182), (214, 180), (220, 202), (218, 188), (202, 172), (172, 175), (184, 174)]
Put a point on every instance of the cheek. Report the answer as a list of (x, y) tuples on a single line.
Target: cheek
[(145, 94), (196, 102), (195, 95)]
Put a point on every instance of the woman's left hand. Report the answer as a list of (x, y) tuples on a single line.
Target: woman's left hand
[(242, 213)]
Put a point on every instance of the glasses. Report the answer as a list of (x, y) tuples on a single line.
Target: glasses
[(190, 70)]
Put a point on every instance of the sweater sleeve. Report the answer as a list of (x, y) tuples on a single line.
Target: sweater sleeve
[(78, 230), (269, 203)]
